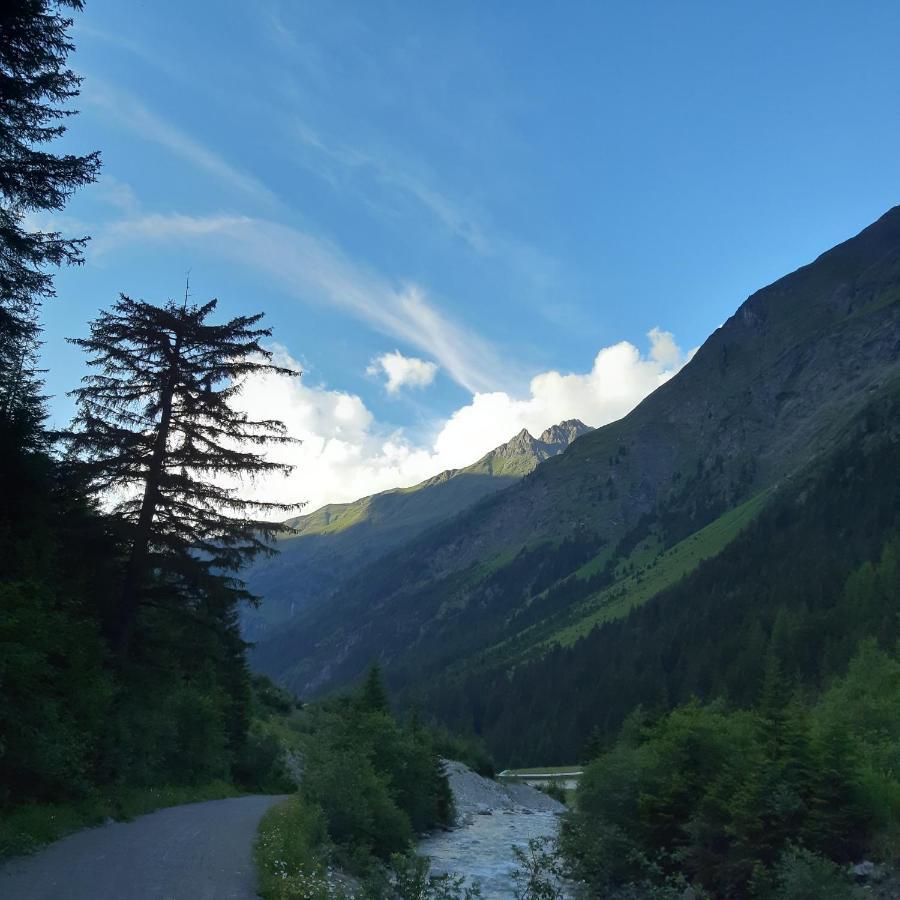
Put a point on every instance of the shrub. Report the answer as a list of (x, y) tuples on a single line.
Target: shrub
[(260, 765), (555, 790), (802, 875), (290, 853)]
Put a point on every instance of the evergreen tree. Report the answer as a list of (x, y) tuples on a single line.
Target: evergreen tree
[(35, 85), (155, 428), (374, 695)]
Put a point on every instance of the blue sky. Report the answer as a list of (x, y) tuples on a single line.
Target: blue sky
[(496, 192)]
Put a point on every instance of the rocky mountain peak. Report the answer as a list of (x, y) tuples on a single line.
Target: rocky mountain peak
[(522, 442), (565, 432)]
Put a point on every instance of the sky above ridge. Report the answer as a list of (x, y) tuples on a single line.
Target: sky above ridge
[(464, 219)]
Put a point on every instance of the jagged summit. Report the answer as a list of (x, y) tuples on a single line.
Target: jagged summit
[(565, 432), (524, 452)]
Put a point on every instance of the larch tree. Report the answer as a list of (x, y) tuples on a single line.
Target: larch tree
[(156, 433), (35, 86)]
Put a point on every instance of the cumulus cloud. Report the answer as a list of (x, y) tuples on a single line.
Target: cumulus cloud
[(402, 371), (346, 453)]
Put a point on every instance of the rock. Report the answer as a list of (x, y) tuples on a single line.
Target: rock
[(689, 894), (863, 870)]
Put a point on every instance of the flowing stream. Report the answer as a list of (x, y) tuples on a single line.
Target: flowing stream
[(482, 851), (493, 818)]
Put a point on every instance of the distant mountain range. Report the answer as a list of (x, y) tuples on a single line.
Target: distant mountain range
[(478, 618), (328, 546)]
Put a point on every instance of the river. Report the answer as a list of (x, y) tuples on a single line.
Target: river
[(493, 818)]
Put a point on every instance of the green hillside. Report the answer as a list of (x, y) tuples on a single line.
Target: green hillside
[(629, 512), (812, 574), (639, 580), (322, 549)]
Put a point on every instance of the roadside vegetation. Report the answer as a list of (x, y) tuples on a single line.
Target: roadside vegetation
[(29, 826), (263, 767), (370, 785)]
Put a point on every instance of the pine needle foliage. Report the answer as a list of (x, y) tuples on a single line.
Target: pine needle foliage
[(156, 429), (35, 86)]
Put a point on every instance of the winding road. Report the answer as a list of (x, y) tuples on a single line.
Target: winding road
[(201, 851)]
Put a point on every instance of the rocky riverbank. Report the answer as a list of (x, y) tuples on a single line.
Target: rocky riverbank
[(492, 818)]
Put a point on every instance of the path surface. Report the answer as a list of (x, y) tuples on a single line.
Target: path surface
[(202, 851)]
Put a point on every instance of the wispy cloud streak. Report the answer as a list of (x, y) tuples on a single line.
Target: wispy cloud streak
[(129, 112), (311, 269)]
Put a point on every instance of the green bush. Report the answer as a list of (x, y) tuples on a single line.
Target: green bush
[(260, 763), (555, 790), (377, 782), (802, 875), (720, 796), (357, 803), (290, 853), (409, 878), (465, 749)]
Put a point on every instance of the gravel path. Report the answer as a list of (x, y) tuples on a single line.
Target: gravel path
[(201, 851)]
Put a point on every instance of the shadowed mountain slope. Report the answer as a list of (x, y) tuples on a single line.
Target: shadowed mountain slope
[(330, 544), (767, 395)]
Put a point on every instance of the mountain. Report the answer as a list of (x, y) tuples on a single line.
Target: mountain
[(329, 545), (777, 403)]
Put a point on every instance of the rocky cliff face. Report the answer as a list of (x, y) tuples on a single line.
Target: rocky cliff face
[(522, 453)]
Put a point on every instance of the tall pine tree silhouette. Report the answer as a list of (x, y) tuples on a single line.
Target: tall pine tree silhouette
[(156, 430), (35, 85)]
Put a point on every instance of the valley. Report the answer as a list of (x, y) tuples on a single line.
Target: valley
[(449, 451), (535, 572)]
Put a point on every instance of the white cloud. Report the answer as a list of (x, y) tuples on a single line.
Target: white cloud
[(403, 371), (347, 454), (312, 269), (618, 380)]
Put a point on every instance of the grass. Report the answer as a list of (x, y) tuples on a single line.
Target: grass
[(291, 856), (26, 828), (653, 575)]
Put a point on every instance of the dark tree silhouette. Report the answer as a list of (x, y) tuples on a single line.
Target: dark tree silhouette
[(374, 695), (35, 85), (155, 428)]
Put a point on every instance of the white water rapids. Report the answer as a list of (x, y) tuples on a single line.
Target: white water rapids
[(493, 818)]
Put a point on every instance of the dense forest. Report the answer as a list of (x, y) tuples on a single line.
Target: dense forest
[(808, 579)]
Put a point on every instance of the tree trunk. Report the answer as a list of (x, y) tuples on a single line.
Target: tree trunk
[(137, 560)]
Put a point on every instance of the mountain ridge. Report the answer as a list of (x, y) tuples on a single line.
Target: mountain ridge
[(328, 545), (764, 395)]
